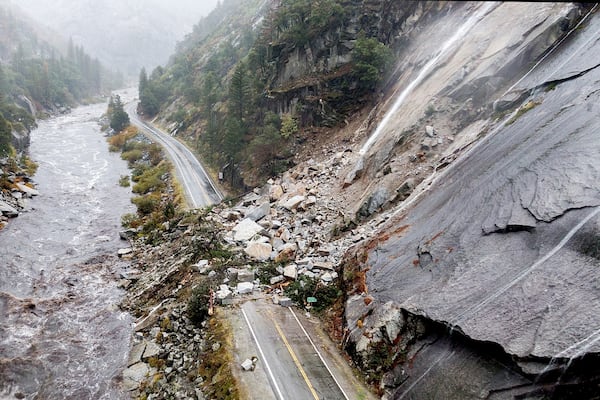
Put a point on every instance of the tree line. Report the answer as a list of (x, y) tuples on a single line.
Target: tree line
[(33, 70), (231, 99)]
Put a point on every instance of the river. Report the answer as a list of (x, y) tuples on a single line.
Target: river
[(62, 335)]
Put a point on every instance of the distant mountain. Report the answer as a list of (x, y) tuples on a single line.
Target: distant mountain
[(123, 34)]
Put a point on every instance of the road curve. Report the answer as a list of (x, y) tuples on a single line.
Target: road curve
[(200, 191)]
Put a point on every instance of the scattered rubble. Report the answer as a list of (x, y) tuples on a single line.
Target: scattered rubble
[(286, 228)]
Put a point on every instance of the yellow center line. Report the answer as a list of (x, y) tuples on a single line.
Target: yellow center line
[(296, 361)]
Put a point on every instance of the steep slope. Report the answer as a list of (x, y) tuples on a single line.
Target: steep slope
[(483, 281), (467, 181), (257, 79)]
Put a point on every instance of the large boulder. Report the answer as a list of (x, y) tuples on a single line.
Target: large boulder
[(246, 229), (8, 210), (258, 250)]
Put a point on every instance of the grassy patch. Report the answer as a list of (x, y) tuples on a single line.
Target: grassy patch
[(219, 380), (124, 181), (117, 142), (522, 110), (305, 287), (151, 179)]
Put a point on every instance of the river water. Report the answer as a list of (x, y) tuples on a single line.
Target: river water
[(62, 335)]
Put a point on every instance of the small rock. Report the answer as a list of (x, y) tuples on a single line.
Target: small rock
[(276, 192), (285, 302), (355, 173), (245, 275), (259, 212), (8, 210), (245, 287), (323, 265), (27, 190), (430, 131), (259, 251), (152, 350), (127, 234), (202, 266), (290, 271), (122, 252), (247, 365), (293, 202), (223, 293), (134, 375), (135, 355)]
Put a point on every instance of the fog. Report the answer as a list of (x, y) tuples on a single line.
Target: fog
[(123, 34)]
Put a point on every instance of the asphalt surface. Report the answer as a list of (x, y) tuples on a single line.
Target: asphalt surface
[(200, 191), (294, 365)]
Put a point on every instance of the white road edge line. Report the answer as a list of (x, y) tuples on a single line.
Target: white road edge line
[(319, 354), (262, 355)]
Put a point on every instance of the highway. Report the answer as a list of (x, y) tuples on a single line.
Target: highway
[(200, 191), (295, 367)]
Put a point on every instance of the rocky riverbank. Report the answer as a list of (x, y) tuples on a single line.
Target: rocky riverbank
[(16, 187)]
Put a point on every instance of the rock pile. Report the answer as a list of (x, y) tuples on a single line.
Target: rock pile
[(291, 224), (14, 199), (295, 223), (165, 359)]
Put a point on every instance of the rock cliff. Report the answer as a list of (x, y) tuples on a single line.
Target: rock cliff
[(460, 213), (481, 284)]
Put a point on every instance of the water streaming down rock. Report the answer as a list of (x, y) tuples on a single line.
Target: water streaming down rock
[(62, 335), (499, 249), (426, 70)]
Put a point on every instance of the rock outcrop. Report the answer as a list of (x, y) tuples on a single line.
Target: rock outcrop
[(493, 254), (17, 188), (466, 236)]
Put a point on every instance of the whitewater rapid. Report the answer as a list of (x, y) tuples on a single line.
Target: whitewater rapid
[(62, 335)]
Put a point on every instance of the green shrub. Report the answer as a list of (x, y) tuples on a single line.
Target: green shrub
[(132, 156), (198, 304), (371, 58), (146, 204), (306, 287), (150, 179), (128, 220), (124, 181)]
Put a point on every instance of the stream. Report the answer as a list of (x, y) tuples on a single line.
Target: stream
[(62, 334)]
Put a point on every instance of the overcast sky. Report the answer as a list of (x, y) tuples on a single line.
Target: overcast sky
[(126, 34)]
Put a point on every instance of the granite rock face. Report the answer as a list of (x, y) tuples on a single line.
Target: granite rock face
[(498, 255)]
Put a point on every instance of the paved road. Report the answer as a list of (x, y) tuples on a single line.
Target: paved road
[(200, 191), (295, 367)]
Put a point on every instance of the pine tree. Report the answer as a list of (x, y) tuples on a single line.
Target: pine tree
[(5, 136), (119, 119), (143, 84)]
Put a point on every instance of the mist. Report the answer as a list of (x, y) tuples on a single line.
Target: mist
[(123, 34)]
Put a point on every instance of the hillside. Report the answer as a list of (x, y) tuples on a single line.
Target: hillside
[(437, 159), (256, 79), (126, 35), (37, 79)]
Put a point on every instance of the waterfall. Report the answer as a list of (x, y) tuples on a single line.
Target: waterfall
[(29, 104), (459, 34)]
